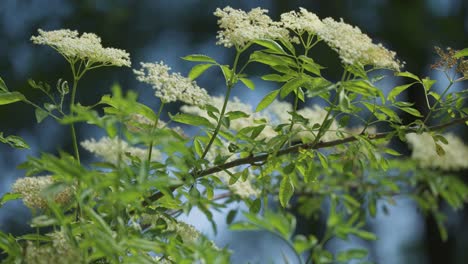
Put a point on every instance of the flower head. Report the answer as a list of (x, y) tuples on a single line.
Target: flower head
[(32, 191), (424, 152), (61, 250), (355, 47), (300, 22), (86, 47), (238, 28), (171, 87), (111, 149)]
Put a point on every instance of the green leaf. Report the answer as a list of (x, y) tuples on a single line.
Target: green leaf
[(230, 216), (40, 114), (364, 234), (248, 83), (439, 150), (270, 44), (397, 90), (427, 83), (267, 100), (276, 77), (9, 197), (346, 256), (290, 86), (408, 75), (226, 72), (392, 152), (14, 141), (191, 120), (10, 97), (3, 86), (255, 206), (197, 70), (411, 111), (199, 58), (461, 53), (286, 191)]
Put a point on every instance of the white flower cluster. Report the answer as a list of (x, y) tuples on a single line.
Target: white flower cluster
[(424, 152), (355, 47), (171, 87), (109, 149), (238, 28), (32, 191), (60, 251), (86, 47), (301, 22)]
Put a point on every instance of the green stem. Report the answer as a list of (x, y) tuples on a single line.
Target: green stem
[(155, 125), (431, 110), (221, 116), (73, 132), (230, 84)]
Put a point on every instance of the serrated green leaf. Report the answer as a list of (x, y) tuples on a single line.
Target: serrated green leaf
[(408, 75), (461, 53), (270, 44), (14, 141), (350, 254), (9, 197), (428, 83), (197, 70), (411, 111), (267, 100), (276, 77), (290, 86), (40, 114), (397, 90), (227, 72), (248, 83), (286, 191), (199, 58), (10, 97), (191, 120), (3, 86)]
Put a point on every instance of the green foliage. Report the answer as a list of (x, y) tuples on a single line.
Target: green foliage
[(123, 208)]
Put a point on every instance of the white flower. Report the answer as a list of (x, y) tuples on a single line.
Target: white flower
[(110, 149), (424, 152), (238, 28), (61, 250), (171, 87), (86, 47), (355, 47), (301, 22), (32, 191)]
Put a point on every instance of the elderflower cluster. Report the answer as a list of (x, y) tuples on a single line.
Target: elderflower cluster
[(424, 152), (187, 233), (171, 87), (355, 47), (303, 21), (86, 47), (113, 149), (32, 191), (238, 28), (60, 250)]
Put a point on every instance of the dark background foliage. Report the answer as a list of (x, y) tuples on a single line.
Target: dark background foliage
[(166, 30)]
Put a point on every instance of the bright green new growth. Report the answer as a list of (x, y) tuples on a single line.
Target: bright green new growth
[(124, 208)]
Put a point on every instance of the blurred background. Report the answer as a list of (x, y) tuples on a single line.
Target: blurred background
[(167, 30)]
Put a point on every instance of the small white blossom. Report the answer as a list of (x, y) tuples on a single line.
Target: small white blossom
[(86, 47), (171, 87), (424, 152), (61, 250), (238, 28), (303, 21), (32, 191), (355, 47), (109, 149)]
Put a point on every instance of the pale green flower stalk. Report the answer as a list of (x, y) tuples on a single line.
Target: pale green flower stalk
[(83, 53)]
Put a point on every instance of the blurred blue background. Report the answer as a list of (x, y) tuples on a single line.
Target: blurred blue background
[(167, 30)]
